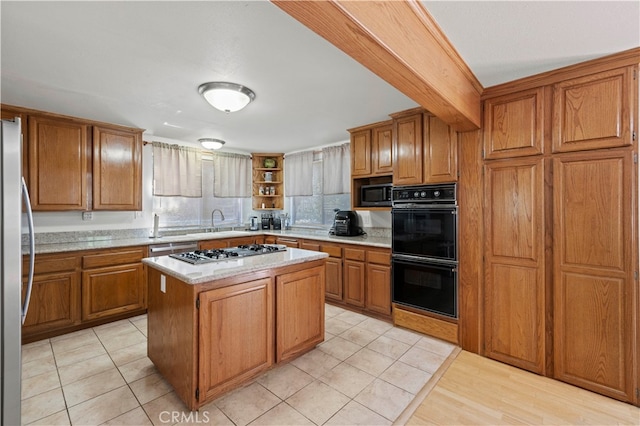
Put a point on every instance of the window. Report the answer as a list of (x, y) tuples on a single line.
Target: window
[(185, 211), (317, 209)]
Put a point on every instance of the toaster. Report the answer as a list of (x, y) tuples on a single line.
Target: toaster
[(345, 224)]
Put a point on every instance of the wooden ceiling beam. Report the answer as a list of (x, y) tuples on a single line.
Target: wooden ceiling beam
[(401, 43)]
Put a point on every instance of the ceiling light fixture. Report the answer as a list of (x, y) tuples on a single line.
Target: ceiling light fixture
[(211, 143), (227, 97)]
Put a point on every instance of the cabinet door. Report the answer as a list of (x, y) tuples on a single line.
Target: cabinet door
[(514, 124), (440, 151), (117, 169), (236, 324), (299, 312), (354, 276), (379, 288), (407, 164), (361, 153), (515, 263), (113, 290), (595, 111), (333, 287), (55, 302), (289, 242), (593, 272), (58, 152), (381, 150)]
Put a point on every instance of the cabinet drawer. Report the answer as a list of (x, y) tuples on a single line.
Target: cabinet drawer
[(334, 251), (112, 258), (354, 254), (47, 264), (379, 257), (310, 245)]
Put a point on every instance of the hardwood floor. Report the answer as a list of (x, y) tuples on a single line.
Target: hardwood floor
[(479, 391)]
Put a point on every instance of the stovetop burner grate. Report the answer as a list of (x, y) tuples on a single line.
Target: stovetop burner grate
[(198, 257)]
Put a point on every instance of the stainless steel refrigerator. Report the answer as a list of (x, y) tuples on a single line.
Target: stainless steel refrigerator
[(13, 304)]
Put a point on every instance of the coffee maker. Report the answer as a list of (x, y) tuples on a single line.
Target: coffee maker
[(254, 225)]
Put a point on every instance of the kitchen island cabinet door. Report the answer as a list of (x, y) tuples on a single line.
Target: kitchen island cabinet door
[(300, 312), (236, 335), (594, 299)]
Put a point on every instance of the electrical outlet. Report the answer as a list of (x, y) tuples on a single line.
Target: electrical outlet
[(87, 215), (366, 218)]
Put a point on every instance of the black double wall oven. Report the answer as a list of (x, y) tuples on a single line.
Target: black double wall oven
[(424, 248)]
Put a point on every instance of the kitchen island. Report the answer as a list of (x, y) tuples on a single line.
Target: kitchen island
[(215, 326)]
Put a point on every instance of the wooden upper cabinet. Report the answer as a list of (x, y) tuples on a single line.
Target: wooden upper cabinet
[(594, 267), (594, 111), (117, 169), (514, 124), (361, 153), (58, 152), (514, 292), (440, 154), (407, 147), (382, 150)]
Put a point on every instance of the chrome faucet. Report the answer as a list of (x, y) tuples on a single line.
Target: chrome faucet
[(213, 227)]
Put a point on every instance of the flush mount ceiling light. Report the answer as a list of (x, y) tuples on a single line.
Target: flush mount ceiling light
[(211, 143), (227, 97)]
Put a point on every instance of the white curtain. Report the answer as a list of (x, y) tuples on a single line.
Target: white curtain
[(298, 174), (336, 169), (177, 170), (231, 175)]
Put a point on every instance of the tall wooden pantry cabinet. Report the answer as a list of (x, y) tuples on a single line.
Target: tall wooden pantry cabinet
[(560, 293)]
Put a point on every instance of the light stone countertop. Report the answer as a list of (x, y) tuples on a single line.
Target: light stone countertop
[(106, 242), (198, 274)]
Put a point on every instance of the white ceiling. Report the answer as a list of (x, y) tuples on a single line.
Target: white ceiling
[(140, 63)]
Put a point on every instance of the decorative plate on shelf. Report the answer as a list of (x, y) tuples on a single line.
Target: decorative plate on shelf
[(269, 162)]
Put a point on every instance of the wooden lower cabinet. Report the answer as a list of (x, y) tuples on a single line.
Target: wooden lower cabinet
[(354, 276), (82, 289), (237, 325), (113, 282), (208, 338), (54, 304), (289, 242), (55, 295), (378, 285), (300, 312), (357, 277), (113, 290)]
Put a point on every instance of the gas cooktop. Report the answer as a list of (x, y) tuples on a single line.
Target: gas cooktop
[(198, 257)]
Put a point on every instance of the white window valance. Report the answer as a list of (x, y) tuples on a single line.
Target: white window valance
[(177, 170), (298, 176), (232, 175), (336, 165)]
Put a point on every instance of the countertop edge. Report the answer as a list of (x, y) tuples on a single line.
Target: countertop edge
[(381, 242), (306, 256)]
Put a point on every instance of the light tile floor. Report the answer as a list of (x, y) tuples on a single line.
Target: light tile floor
[(365, 372)]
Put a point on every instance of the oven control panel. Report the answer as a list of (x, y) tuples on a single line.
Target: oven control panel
[(440, 194)]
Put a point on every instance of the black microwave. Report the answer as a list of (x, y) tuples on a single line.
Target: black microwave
[(375, 195)]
